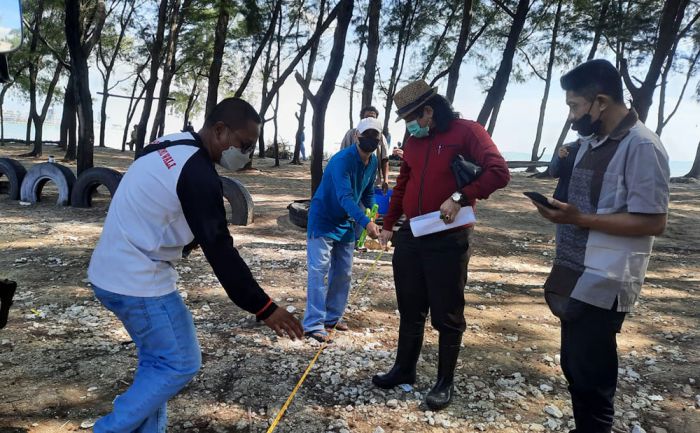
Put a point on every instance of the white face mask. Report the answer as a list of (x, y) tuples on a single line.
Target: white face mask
[(233, 159)]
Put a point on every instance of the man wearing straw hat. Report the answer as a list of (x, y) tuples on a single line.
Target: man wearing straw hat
[(430, 271)]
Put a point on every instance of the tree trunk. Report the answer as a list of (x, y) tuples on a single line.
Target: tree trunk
[(353, 78), (301, 52), (663, 121), (277, 97), (602, 18), (440, 41), (669, 25), (599, 29), (258, 52), (191, 99), (375, 7), (325, 91), (460, 51), (103, 107), (548, 81), (68, 129), (695, 169), (497, 92), (79, 53), (108, 64), (266, 72), (156, 50), (132, 105), (307, 81), (38, 118), (28, 135), (2, 117), (217, 60), (393, 80), (170, 66)]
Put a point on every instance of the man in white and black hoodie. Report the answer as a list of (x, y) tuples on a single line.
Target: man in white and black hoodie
[(170, 197)]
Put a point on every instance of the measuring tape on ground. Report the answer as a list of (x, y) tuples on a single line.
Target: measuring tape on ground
[(315, 358)]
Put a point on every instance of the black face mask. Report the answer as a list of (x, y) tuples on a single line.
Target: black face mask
[(585, 126), (367, 144)]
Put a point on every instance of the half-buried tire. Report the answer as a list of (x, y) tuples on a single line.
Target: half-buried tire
[(299, 212), (239, 200), (40, 174), (14, 172), (89, 181)]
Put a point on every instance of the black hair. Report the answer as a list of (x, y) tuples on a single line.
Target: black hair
[(367, 108), (592, 78), (443, 113), (234, 112)]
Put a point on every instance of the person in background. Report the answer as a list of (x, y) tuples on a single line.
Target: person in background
[(561, 166), (132, 141), (382, 152)]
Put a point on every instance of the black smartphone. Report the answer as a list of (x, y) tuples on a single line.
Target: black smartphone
[(539, 198)]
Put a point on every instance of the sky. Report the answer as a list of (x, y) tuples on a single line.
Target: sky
[(514, 132)]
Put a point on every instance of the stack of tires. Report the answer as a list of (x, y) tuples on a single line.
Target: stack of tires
[(27, 185)]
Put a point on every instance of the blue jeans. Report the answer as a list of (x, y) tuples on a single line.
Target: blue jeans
[(329, 264), (169, 357)]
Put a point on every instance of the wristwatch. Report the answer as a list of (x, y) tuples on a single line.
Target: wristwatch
[(456, 197)]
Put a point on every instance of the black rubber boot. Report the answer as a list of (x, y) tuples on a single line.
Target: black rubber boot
[(440, 396), (7, 292), (404, 369)]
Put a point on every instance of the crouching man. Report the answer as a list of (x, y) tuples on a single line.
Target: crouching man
[(347, 180), (171, 196)]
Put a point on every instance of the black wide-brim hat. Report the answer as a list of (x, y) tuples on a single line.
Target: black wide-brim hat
[(412, 96)]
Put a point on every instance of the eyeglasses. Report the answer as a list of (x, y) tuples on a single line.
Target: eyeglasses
[(246, 146)]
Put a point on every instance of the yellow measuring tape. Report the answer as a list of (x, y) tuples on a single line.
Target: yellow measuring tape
[(318, 353)]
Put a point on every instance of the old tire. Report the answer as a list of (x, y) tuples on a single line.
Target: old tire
[(299, 212), (14, 172), (89, 180), (37, 176), (240, 201)]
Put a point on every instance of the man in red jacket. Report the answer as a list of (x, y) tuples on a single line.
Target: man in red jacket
[(430, 271)]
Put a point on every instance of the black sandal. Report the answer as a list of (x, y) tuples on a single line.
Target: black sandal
[(320, 336)]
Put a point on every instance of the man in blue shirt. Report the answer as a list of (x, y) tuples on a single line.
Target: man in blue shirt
[(347, 180)]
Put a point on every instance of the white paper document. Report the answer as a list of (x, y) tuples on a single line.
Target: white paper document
[(431, 222)]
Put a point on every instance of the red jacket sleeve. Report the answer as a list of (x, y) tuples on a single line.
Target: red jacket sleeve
[(494, 169)]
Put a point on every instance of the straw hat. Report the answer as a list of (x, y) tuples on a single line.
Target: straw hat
[(412, 96)]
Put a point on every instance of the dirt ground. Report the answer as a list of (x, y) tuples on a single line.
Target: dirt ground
[(63, 358)]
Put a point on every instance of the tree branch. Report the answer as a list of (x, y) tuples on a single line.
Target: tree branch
[(100, 17), (53, 50), (534, 70), (505, 8), (468, 48), (307, 93), (624, 71), (691, 68)]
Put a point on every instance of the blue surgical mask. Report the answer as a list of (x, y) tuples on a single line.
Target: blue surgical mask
[(416, 130)]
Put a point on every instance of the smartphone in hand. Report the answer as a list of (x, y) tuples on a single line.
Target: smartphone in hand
[(539, 198)]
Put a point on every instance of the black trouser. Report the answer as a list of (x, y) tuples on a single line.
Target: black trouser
[(589, 362), (430, 273)]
